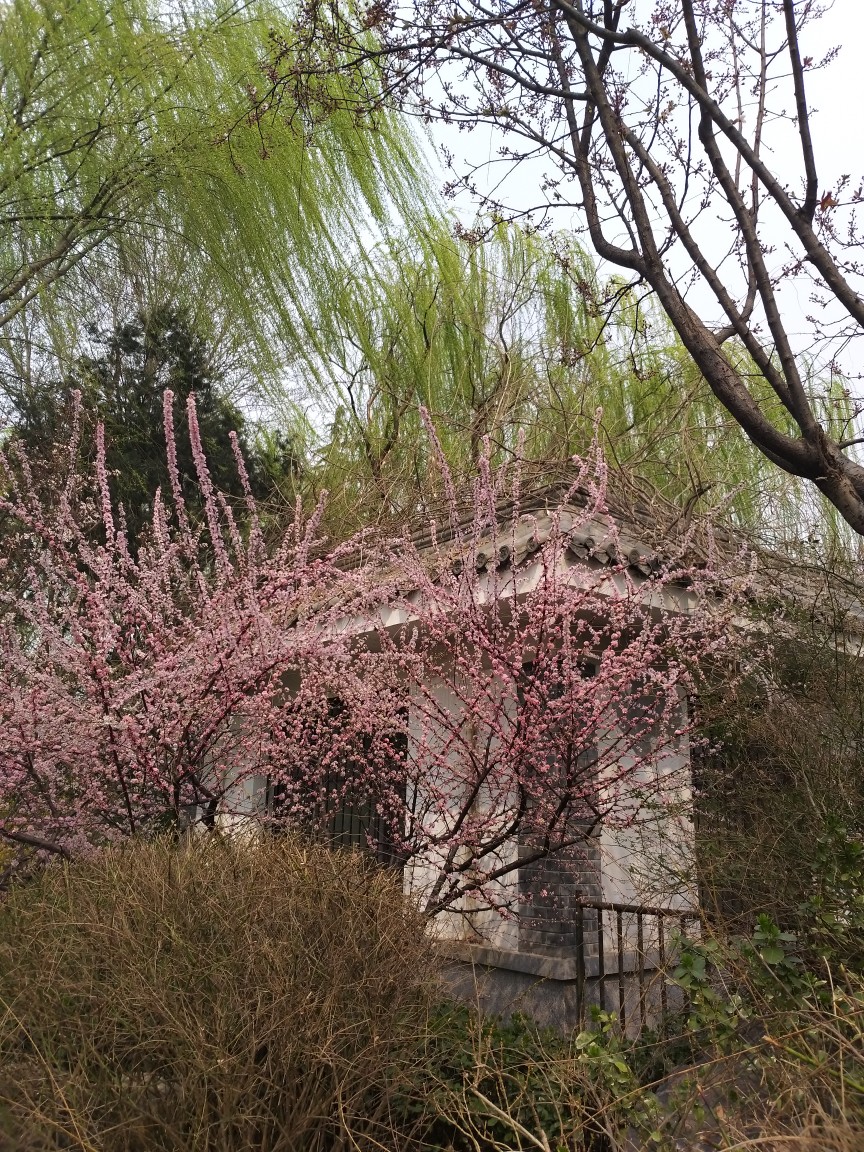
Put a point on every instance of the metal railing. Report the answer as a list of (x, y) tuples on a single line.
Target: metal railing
[(639, 958)]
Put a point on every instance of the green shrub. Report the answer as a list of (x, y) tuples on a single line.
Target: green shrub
[(214, 995), (768, 1050), (507, 1086), (780, 802), (833, 915)]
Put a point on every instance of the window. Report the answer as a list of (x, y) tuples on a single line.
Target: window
[(343, 816)]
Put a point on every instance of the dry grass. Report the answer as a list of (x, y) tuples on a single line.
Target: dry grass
[(219, 997), (215, 996)]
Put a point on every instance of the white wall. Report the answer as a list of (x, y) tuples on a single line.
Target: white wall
[(646, 851)]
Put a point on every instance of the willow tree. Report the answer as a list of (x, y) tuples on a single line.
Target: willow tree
[(134, 148), (505, 334), (680, 140)]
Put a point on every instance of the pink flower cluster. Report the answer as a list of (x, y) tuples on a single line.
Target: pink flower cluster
[(482, 714)]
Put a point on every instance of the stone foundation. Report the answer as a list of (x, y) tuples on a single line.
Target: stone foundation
[(547, 987)]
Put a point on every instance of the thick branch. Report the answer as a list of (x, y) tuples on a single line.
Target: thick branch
[(29, 840), (811, 195), (814, 249)]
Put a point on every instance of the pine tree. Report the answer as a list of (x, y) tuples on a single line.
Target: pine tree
[(122, 385)]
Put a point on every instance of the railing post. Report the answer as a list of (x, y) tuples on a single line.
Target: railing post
[(640, 959), (686, 1004), (601, 960), (622, 1010), (580, 963), (661, 948)]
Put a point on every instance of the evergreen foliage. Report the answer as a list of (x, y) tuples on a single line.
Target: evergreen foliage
[(122, 386)]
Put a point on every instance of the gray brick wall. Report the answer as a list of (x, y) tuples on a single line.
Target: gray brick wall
[(549, 891)]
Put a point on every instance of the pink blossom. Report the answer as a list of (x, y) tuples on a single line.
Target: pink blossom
[(468, 708)]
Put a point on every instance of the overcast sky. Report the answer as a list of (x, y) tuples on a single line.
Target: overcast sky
[(836, 96)]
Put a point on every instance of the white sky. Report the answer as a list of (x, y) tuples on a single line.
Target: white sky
[(836, 98)]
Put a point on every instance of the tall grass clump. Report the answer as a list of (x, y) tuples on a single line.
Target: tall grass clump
[(210, 995)]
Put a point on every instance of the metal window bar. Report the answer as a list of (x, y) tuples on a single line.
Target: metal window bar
[(346, 821)]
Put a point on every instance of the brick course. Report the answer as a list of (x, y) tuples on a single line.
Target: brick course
[(549, 891)]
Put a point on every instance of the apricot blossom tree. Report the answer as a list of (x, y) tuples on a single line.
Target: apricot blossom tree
[(530, 671), (143, 691), (482, 696)]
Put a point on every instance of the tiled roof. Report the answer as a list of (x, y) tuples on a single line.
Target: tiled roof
[(639, 530)]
